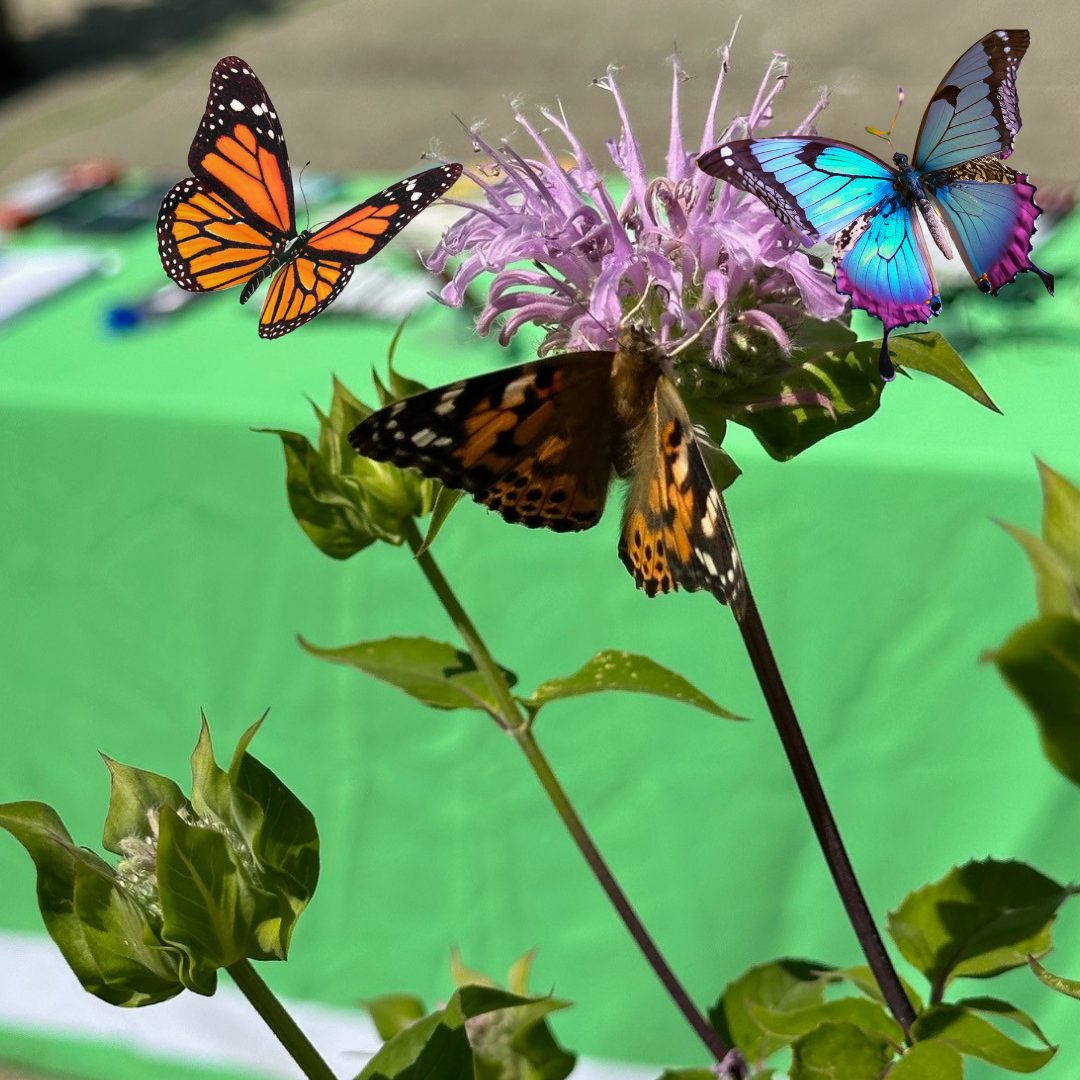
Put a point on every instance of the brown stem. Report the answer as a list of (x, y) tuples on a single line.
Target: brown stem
[(817, 806)]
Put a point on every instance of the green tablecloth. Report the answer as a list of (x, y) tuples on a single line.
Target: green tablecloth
[(150, 568)]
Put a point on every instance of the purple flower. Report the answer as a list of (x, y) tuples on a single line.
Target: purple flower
[(567, 256)]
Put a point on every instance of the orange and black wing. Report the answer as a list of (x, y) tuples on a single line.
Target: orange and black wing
[(298, 292), (365, 230), (239, 150), (306, 285), (205, 243), (676, 533), (222, 225), (533, 442)]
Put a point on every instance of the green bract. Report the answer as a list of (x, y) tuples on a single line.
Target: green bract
[(202, 882), (343, 501), (484, 1032)]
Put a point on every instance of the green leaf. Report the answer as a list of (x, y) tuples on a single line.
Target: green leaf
[(430, 671), (106, 938), (795, 408), (1069, 987), (1040, 663), (393, 1013), (615, 670), (206, 901), (437, 1047), (1055, 588), (1004, 1010), (863, 980), (285, 840), (133, 792), (979, 920), (931, 354), (790, 1024), (840, 1051), (445, 501), (1061, 517), (929, 1061), (784, 985), (970, 1034), (331, 516)]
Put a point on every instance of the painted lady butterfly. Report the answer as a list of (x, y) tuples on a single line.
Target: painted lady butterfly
[(538, 443)]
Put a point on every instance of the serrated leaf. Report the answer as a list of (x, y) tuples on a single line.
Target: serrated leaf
[(979, 920), (393, 1013), (972, 1035), (616, 670), (788, 1025), (430, 671), (929, 1061), (1061, 517), (1069, 987), (783, 985), (132, 793), (1056, 591), (792, 410), (839, 1051), (445, 501), (1040, 663), (931, 354), (104, 936)]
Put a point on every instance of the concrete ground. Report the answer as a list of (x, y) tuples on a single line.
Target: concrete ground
[(371, 84)]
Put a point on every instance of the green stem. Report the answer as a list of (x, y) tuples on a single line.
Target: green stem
[(516, 723), (279, 1021)]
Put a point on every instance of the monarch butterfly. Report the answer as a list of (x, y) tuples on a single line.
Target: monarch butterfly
[(234, 221)]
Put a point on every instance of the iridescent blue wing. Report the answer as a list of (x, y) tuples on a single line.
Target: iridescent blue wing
[(814, 186), (990, 212), (882, 263), (974, 112)]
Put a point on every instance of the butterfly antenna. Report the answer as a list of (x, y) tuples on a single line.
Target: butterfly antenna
[(307, 209), (887, 135)]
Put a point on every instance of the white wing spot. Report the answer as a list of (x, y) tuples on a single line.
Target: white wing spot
[(237, 105), (422, 438)]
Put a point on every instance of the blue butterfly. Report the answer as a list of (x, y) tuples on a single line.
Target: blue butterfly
[(824, 188)]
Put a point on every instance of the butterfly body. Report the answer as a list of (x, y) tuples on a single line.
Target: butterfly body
[(955, 181), (540, 444), (234, 221)]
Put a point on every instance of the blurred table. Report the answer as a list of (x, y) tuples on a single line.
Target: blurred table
[(150, 568)]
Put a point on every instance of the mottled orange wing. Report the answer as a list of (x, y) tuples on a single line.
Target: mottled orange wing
[(299, 291), (356, 236), (239, 150), (533, 442), (676, 532), (205, 243)]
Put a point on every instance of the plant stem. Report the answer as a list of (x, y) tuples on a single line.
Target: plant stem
[(517, 725), (279, 1021), (817, 806)]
